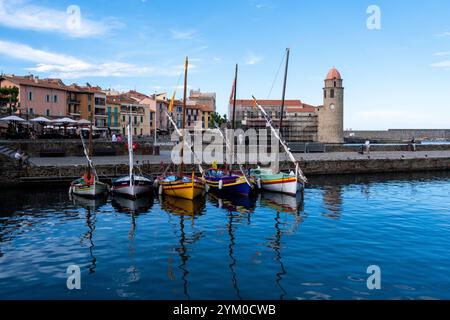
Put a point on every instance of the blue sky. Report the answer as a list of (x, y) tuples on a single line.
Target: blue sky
[(395, 77)]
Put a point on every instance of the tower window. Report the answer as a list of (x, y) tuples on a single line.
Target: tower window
[(332, 93), (325, 94), (335, 84)]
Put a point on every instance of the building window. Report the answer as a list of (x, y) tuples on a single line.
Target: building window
[(325, 94), (123, 119), (30, 96), (47, 112), (100, 101), (332, 93), (48, 98), (135, 131), (55, 98), (142, 119), (31, 111), (142, 132), (123, 131), (335, 84), (135, 120), (89, 108)]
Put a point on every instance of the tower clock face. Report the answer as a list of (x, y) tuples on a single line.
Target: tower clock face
[(332, 106)]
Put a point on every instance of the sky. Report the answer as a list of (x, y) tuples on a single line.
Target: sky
[(396, 74)]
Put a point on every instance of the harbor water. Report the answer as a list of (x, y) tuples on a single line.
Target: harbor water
[(269, 247)]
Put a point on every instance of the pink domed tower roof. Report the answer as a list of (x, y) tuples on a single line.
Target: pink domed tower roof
[(333, 74)]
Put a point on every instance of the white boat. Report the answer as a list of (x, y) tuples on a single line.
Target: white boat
[(287, 183), (275, 181), (82, 187), (133, 185), (89, 185)]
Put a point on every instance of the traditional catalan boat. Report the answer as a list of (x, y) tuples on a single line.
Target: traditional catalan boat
[(226, 181), (178, 184), (89, 185), (132, 185), (268, 178)]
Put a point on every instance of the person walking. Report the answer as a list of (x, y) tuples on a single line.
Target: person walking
[(413, 144), (367, 147)]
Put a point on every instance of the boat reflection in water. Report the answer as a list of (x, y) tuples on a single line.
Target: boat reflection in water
[(282, 202), (181, 206), (91, 205), (184, 210), (294, 208), (241, 204), (133, 206)]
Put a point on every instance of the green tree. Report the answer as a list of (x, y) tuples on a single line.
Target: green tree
[(8, 100), (218, 120)]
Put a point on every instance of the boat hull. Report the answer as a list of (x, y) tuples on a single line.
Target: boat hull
[(289, 185), (140, 186), (237, 186), (90, 191), (281, 182), (184, 190)]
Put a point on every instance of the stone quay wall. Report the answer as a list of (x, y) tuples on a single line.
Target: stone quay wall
[(399, 134), (75, 147), (10, 175)]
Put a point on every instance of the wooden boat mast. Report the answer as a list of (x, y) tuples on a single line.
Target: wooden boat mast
[(90, 146), (283, 99), (183, 125), (233, 124)]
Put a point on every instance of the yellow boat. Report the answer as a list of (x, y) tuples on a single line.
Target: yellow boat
[(179, 185), (186, 188)]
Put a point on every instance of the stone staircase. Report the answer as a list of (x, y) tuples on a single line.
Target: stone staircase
[(10, 154), (7, 152)]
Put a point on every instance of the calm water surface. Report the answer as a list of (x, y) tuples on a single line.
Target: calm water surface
[(274, 247)]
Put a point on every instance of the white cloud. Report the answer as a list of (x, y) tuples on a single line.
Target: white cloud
[(19, 14), (442, 64), (444, 34), (253, 59), (441, 54), (183, 35), (217, 59), (68, 67)]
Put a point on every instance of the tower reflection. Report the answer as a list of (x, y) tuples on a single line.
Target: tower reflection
[(332, 199)]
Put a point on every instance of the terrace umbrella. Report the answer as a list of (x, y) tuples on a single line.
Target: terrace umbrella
[(13, 120), (41, 120), (65, 122), (84, 122)]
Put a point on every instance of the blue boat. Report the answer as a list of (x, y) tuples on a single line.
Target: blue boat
[(229, 183)]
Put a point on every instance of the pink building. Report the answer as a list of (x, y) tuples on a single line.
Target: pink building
[(38, 97)]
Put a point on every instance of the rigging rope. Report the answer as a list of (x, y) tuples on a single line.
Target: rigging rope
[(276, 76)]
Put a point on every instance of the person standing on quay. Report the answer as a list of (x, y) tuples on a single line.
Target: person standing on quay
[(367, 147)]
